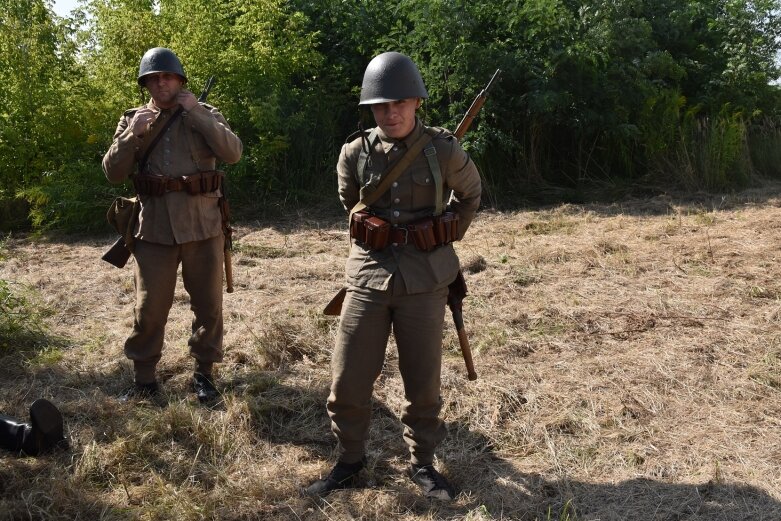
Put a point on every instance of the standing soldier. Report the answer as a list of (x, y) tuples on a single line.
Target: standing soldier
[(399, 268), (175, 141)]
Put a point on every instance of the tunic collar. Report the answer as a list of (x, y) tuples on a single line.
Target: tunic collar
[(388, 143)]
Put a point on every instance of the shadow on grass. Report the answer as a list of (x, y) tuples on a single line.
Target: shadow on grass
[(492, 487), (40, 488), (498, 488), (286, 414)]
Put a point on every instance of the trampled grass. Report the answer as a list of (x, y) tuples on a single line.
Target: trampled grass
[(629, 362)]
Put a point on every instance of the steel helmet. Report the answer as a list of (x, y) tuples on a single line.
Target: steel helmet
[(391, 76), (159, 59)]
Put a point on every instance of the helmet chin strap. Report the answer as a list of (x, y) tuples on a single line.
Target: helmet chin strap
[(365, 145)]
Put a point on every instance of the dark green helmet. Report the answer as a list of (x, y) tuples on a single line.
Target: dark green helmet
[(391, 76), (159, 59)]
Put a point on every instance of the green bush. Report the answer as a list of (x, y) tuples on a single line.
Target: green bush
[(592, 92)]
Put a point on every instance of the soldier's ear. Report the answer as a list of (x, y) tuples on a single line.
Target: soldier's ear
[(419, 103)]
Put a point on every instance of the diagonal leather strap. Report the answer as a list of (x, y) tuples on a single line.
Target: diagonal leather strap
[(155, 136), (392, 175)]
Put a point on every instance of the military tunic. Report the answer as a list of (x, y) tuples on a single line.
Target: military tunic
[(175, 228), (399, 288)]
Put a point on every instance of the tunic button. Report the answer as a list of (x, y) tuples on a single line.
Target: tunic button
[(395, 213), (395, 184), (397, 200), (428, 180)]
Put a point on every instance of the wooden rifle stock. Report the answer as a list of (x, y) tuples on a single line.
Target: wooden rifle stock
[(228, 271), (227, 231), (455, 299), (334, 307), (118, 254)]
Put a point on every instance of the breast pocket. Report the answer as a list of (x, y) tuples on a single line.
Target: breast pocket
[(423, 189)]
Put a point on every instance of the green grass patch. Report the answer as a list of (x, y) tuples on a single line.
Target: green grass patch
[(761, 292), (21, 319), (259, 251), (525, 277), (48, 356), (550, 226)]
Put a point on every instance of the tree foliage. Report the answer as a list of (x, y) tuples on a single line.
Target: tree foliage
[(652, 91)]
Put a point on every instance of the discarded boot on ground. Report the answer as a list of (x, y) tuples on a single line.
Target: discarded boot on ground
[(44, 432), (341, 476), (204, 389), (433, 484)]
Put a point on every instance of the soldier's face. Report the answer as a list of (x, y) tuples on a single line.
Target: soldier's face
[(163, 86), (396, 118)]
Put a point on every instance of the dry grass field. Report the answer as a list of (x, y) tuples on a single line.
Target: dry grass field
[(629, 361)]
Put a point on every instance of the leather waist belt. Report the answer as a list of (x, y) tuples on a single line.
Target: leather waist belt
[(201, 182), (425, 234)]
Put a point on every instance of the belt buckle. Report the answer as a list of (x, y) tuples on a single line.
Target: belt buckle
[(175, 184), (406, 234)]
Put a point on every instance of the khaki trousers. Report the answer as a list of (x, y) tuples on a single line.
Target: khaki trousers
[(155, 278), (359, 354)]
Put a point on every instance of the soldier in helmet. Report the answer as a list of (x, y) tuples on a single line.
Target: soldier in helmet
[(169, 148), (398, 271)]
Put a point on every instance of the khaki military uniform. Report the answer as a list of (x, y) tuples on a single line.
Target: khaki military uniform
[(399, 288), (175, 228)]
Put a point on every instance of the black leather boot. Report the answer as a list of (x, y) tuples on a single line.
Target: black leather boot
[(203, 386), (43, 433), (343, 475), (11, 433)]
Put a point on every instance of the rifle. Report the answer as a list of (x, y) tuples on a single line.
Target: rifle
[(457, 289), (227, 229), (474, 108), (206, 90), (455, 299)]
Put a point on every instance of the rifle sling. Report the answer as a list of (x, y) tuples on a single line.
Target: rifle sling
[(393, 174), (155, 136)]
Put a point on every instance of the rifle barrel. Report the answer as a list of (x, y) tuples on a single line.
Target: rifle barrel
[(491, 82), (206, 89), (474, 108)]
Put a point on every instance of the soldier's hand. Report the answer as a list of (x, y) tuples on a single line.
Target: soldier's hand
[(187, 100), (141, 121)]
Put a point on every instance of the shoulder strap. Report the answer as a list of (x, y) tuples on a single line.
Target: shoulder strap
[(431, 155), (393, 174), (154, 138), (363, 156)]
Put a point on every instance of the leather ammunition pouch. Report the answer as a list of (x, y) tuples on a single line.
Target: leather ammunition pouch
[(425, 234), (370, 230), (198, 183)]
